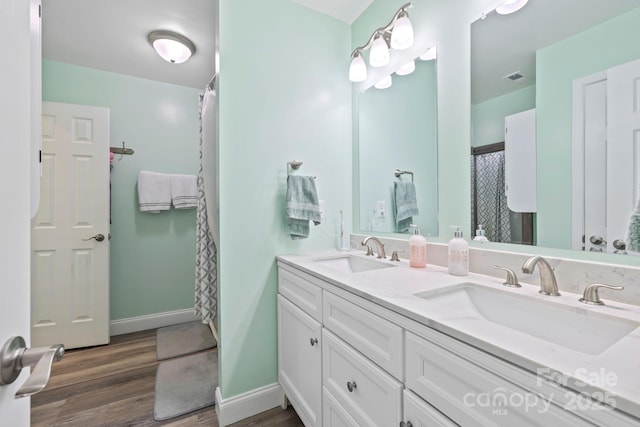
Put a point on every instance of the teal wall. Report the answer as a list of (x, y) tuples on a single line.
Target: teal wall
[(611, 43), (284, 95), (487, 118), (398, 130), (152, 255)]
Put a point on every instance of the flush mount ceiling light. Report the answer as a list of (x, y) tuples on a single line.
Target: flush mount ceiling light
[(398, 34), (172, 47), (510, 6)]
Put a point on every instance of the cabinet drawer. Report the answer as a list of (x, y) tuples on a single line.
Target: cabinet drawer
[(472, 396), (370, 396), (302, 293), (420, 414), (373, 336), (333, 414)]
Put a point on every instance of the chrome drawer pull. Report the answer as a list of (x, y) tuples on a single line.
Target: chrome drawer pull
[(313, 341), (351, 385)]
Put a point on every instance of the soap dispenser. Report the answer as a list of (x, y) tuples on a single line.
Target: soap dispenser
[(417, 249), (480, 236), (458, 254)]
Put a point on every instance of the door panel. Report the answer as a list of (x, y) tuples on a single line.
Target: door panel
[(70, 285)]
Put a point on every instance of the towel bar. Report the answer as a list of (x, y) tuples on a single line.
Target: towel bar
[(398, 173)]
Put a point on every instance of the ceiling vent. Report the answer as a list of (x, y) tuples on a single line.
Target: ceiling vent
[(514, 76)]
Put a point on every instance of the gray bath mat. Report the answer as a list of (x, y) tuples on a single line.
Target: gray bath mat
[(185, 384), (186, 338)]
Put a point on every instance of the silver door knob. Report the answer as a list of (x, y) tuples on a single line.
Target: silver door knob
[(98, 237), (351, 385), (14, 356)]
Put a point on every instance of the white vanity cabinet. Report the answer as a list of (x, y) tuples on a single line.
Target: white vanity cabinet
[(346, 361)]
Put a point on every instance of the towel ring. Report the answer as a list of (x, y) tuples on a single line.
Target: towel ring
[(399, 173)]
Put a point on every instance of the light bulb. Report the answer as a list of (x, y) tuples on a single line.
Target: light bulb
[(384, 83), (379, 54), (406, 69), (402, 34), (510, 6), (357, 69), (430, 54)]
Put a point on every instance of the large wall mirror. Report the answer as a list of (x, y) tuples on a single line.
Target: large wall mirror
[(397, 145), (554, 148)]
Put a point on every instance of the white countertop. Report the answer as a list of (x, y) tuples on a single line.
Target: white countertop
[(614, 372)]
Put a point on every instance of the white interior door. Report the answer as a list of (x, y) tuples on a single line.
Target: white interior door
[(69, 242), (623, 154), (589, 163), (16, 17)]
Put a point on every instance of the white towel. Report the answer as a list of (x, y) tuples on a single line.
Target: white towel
[(154, 192), (184, 191)]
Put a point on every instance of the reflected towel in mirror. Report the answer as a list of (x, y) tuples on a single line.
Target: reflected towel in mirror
[(406, 204)]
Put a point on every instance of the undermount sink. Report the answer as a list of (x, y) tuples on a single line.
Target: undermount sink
[(572, 327), (351, 264)]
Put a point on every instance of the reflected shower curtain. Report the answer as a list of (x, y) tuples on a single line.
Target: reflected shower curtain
[(206, 289), (490, 206)]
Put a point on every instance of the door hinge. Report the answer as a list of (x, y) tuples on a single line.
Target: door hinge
[(39, 11), (39, 156)]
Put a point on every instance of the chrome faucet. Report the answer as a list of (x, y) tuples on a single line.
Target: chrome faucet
[(378, 243), (548, 284)]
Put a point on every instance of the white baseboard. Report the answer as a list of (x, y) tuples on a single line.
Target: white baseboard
[(151, 321), (247, 404)]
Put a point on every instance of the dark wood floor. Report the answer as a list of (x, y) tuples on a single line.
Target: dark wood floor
[(113, 386)]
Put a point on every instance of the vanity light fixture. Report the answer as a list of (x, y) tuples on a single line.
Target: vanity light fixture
[(398, 34), (384, 83), (429, 54), (172, 47), (407, 68), (510, 6)]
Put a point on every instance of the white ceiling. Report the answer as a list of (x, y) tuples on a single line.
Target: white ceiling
[(111, 35), (344, 10), (502, 44)]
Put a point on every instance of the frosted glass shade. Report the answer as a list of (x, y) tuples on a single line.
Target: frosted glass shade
[(510, 6), (402, 34), (172, 47), (379, 54), (357, 69), (384, 83), (407, 68)]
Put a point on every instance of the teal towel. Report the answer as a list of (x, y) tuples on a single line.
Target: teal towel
[(406, 204), (633, 233), (302, 205)]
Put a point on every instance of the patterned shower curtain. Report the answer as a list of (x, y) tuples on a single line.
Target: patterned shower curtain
[(206, 289), (490, 206)]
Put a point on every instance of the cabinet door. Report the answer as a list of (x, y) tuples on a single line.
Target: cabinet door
[(300, 363), (418, 413)]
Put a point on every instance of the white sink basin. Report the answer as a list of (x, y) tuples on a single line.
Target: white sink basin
[(576, 328), (352, 264)]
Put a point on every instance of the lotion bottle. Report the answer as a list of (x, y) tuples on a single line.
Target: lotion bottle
[(480, 236), (458, 254), (417, 249)]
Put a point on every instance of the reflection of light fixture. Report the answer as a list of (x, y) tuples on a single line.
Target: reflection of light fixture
[(407, 68), (379, 54), (357, 69), (171, 47), (510, 6), (398, 34), (384, 83), (429, 54)]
